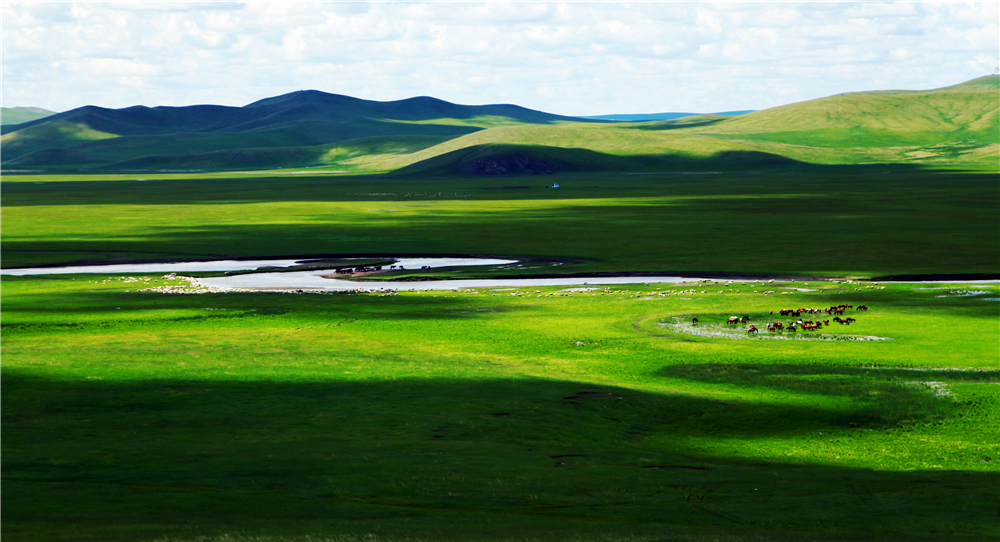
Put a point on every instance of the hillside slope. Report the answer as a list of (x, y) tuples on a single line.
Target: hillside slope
[(959, 124), (18, 115), (299, 119), (584, 147)]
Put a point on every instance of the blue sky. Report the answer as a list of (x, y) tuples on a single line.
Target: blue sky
[(571, 58)]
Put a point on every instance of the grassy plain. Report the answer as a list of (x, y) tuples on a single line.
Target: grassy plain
[(512, 414), (792, 221), (525, 414)]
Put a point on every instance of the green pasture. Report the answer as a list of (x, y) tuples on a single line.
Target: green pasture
[(510, 414), (498, 414), (865, 221)]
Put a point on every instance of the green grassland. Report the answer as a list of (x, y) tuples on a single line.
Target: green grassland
[(509, 414), (527, 414), (864, 221)]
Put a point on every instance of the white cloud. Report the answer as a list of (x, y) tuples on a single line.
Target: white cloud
[(171, 6), (902, 53), (116, 66), (982, 62), (132, 81), (569, 58)]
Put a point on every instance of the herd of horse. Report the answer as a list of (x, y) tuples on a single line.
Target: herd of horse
[(805, 325), (363, 269), (370, 269)]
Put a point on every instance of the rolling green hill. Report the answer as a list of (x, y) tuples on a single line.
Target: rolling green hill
[(959, 124), (96, 137), (951, 125), (47, 137), (577, 147), (18, 115)]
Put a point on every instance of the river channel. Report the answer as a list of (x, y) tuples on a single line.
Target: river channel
[(317, 279), (322, 280)]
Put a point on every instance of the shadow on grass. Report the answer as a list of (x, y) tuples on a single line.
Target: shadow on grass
[(671, 174), (885, 396), (115, 308), (446, 459), (505, 160), (819, 378), (675, 124)]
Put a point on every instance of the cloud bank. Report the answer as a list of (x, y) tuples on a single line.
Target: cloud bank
[(566, 58)]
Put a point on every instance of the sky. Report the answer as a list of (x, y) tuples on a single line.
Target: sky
[(569, 58)]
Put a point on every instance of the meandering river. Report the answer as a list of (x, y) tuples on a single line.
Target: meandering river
[(315, 279), (318, 280), (310, 280)]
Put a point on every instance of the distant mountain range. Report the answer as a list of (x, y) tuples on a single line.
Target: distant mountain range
[(423, 135), (138, 136)]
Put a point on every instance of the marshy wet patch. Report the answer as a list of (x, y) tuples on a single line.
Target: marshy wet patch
[(885, 397), (708, 326), (965, 293), (977, 294), (952, 291)]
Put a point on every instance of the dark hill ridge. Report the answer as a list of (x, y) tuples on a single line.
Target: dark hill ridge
[(141, 120), (341, 108), (94, 135), (305, 105)]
